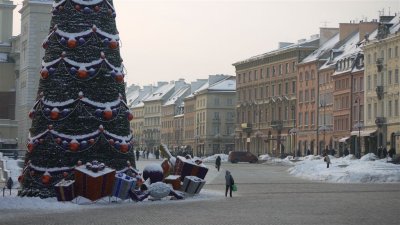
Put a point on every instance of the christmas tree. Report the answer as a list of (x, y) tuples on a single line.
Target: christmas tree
[(81, 113)]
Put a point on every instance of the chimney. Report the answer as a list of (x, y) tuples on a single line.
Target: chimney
[(386, 19), (367, 27), (6, 20), (326, 33), (345, 29)]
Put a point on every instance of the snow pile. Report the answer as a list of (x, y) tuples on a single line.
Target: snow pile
[(265, 157), (224, 158), (347, 170), (284, 162)]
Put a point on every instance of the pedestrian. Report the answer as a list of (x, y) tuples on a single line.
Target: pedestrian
[(391, 152), (137, 154), (218, 162), (327, 160), (308, 152), (384, 152), (147, 154), (346, 152), (229, 182), (380, 152)]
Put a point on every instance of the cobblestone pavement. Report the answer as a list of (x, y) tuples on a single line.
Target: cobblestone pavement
[(267, 194)]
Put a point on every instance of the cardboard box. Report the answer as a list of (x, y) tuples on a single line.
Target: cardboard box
[(94, 185), (174, 180), (192, 184), (122, 185), (65, 190), (185, 167)]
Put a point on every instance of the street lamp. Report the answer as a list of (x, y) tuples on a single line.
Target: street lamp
[(358, 125), (293, 131)]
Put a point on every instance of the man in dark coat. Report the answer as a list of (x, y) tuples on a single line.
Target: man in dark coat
[(218, 162), (229, 182)]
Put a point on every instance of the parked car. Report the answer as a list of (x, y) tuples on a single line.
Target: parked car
[(242, 156)]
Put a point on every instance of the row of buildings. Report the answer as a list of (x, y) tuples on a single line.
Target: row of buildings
[(336, 90), (197, 118)]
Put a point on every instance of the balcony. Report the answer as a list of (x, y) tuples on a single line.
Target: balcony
[(380, 121), (379, 64), (379, 92), (277, 124)]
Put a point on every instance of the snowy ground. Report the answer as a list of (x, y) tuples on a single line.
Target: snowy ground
[(368, 169)]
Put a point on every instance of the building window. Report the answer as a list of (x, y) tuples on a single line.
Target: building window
[(261, 74), (369, 82), (375, 80), (396, 51), (287, 68), (390, 108), (286, 88), (267, 72), (306, 119), (255, 75), (312, 118), (375, 109), (306, 96), (216, 101), (369, 59), (361, 84), (300, 119), (279, 89), (396, 107), (301, 76), (389, 77), (249, 75), (286, 113), (369, 111), (267, 91), (293, 87), (239, 78), (390, 53), (261, 92), (293, 66), (273, 71), (273, 90), (396, 76), (312, 94), (300, 96), (280, 69)]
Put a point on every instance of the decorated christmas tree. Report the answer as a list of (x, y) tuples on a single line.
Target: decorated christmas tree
[(81, 113)]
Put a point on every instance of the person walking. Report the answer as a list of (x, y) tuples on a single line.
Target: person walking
[(229, 182), (218, 162), (137, 154), (327, 160)]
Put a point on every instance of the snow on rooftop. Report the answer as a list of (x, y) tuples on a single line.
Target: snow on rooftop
[(324, 49), (300, 44), (160, 92), (177, 95), (224, 85)]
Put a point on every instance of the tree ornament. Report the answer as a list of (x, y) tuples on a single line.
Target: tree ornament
[(82, 73), (106, 42), (64, 112), (60, 7), (44, 73), (72, 70), (71, 43), (63, 54), (30, 146), (124, 148), (51, 70), (21, 179), (58, 140), (47, 111), (81, 41), (50, 127), (41, 140), (32, 172), (107, 113), (119, 77), (63, 41), (92, 72), (74, 145), (87, 10), (77, 7), (97, 8), (109, 12), (54, 114), (31, 113), (79, 163), (83, 144), (46, 178), (65, 144), (98, 112), (45, 44), (65, 174), (111, 141), (102, 55), (113, 44), (91, 141), (80, 95), (94, 28), (114, 14), (129, 116), (101, 128), (117, 145)]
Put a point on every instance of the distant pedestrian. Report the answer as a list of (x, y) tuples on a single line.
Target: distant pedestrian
[(380, 152), (384, 152), (218, 162), (346, 152), (327, 160), (147, 154), (308, 152), (137, 154), (391, 152), (229, 182)]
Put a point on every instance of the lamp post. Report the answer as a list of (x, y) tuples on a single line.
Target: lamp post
[(293, 131), (358, 126)]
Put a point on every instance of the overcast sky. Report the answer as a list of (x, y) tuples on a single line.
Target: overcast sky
[(170, 39)]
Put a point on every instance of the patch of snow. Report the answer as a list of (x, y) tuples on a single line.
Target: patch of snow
[(224, 158)]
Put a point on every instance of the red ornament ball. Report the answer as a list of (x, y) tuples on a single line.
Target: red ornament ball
[(107, 114), (124, 148), (130, 116), (65, 174), (30, 146), (74, 145), (71, 43), (119, 78), (54, 114), (78, 7), (58, 140), (44, 73), (91, 141), (82, 73), (97, 8), (31, 114), (21, 179), (113, 44), (46, 178)]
